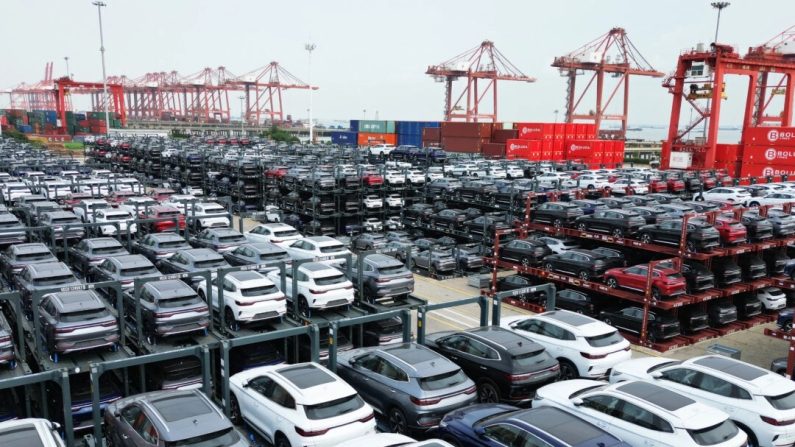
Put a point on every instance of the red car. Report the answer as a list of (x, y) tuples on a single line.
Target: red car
[(117, 197), (276, 172), (731, 231), (675, 183), (372, 179), (665, 282), (73, 198), (165, 212), (708, 180), (161, 194)]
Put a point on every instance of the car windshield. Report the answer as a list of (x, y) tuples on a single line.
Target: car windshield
[(442, 381), (528, 358), (64, 220), (334, 408), (118, 216), (784, 401), (675, 276), (392, 270), (610, 338), (178, 301), (24, 436), (233, 238), (34, 256), (209, 263), (106, 250), (137, 271), (331, 248), (285, 233), (223, 438), (83, 315), (329, 280), (257, 291), (716, 434), (54, 280), (172, 244)]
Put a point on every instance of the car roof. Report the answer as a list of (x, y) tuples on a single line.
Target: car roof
[(33, 247), (246, 275), (265, 247), (323, 240), (421, 361), (76, 300), (99, 242), (656, 395), (166, 236), (382, 260), (131, 261), (223, 231), (182, 412), (586, 325), (318, 267), (201, 254), (559, 424), (170, 288), (48, 269), (504, 339), (304, 378)]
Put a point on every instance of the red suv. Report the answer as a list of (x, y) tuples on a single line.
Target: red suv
[(372, 180), (165, 212), (731, 231), (675, 183), (665, 282)]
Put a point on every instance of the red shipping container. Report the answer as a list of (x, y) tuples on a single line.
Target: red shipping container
[(582, 132), (431, 134), (560, 131), (462, 144), (493, 150), (727, 152), (367, 139), (534, 131), (776, 136), (772, 155), (517, 148), (764, 170), (468, 130), (546, 148), (571, 130), (590, 131), (580, 149), (503, 135)]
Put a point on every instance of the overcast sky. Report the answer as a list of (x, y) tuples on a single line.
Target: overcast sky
[(372, 54)]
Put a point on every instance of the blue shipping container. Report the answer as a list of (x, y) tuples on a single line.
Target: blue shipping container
[(409, 140), (25, 128), (414, 127), (354, 125), (344, 138), (50, 117)]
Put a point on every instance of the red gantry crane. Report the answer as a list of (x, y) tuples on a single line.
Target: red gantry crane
[(262, 89), (38, 96), (482, 64), (610, 54)]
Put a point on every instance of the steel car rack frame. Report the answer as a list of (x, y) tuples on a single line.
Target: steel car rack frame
[(335, 326)]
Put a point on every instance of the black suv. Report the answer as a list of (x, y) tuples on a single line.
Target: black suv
[(697, 276), (752, 266), (721, 312), (219, 239), (726, 272), (91, 252), (123, 269), (524, 251), (630, 319), (616, 222), (43, 277), (557, 213), (450, 218), (701, 236), (506, 366), (193, 260), (616, 202), (585, 264), (420, 212), (757, 226)]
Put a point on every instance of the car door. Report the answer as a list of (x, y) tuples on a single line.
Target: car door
[(504, 434), (635, 277), (124, 427), (146, 434), (632, 423), (564, 263), (672, 231), (455, 347)]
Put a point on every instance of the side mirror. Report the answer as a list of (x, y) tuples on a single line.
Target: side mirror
[(657, 375), (55, 426), (577, 401), (245, 384), (480, 432)]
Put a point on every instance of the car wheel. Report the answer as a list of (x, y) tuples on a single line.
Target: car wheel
[(151, 339), (397, 421), (231, 322), (618, 232), (607, 321), (645, 238), (234, 411), (655, 293), (651, 337), (787, 327), (690, 246), (557, 223), (753, 204), (488, 393), (567, 370), (55, 357), (582, 226), (612, 283), (303, 306), (585, 276), (548, 267), (752, 442), (282, 441), (525, 262)]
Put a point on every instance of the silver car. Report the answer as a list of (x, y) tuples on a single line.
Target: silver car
[(409, 384)]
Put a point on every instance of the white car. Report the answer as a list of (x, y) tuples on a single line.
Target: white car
[(551, 179), (56, 189), (512, 172), (138, 205), (643, 414), (372, 201), (559, 246), (394, 201), (275, 233), (773, 198), (127, 185), (381, 149), (638, 186), (209, 215), (319, 286), (182, 202), (761, 402), (85, 208), (587, 181), (724, 194), (392, 440), (373, 225), (122, 217), (415, 177), (314, 247), (30, 432), (300, 405), (14, 190), (249, 297), (394, 178), (772, 298), (584, 346), (434, 173), (497, 172)]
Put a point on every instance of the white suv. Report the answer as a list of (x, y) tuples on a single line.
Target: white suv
[(772, 298), (585, 347), (213, 218), (122, 217), (373, 201), (415, 177), (381, 149), (643, 414), (723, 194), (394, 200), (319, 286), (30, 432), (274, 233), (394, 178), (314, 247), (760, 401), (299, 405), (249, 297)]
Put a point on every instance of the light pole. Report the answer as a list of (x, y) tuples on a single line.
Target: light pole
[(364, 114), (99, 6), (68, 74), (556, 115), (310, 47), (719, 6)]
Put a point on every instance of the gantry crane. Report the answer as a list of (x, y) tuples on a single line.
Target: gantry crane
[(484, 62), (610, 54), (262, 89), (38, 96), (699, 81)]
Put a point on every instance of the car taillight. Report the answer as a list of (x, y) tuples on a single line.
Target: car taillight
[(276, 241), (109, 323), (424, 402), (593, 356), (309, 434), (239, 303), (383, 280), (369, 417), (62, 330), (776, 422), (317, 292), (470, 390)]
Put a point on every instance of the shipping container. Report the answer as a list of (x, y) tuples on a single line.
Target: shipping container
[(582, 149), (462, 144), (776, 136), (728, 152), (535, 131), (493, 150), (369, 139), (345, 138), (764, 170), (413, 127), (409, 140), (468, 130), (503, 135), (776, 155), (371, 126), (560, 131)]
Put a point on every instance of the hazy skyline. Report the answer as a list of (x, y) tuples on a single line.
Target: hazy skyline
[(373, 54)]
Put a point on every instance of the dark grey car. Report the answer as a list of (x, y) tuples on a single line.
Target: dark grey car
[(42, 277), (91, 252), (11, 230), (16, 257), (193, 260), (440, 260), (413, 386), (169, 418), (157, 246), (369, 241), (168, 308), (383, 276), (219, 239), (76, 321), (258, 253), (123, 269), (57, 221), (7, 351)]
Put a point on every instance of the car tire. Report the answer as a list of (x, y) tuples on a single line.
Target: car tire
[(488, 393), (645, 238), (557, 223), (753, 204), (655, 293), (231, 322), (525, 262), (690, 246), (752, 440), (612, 283), (567, 370), (234, 410), (582, 226), (303, 306), (281, 441), (397, 421), (584, 275), (548, 267), (618, 232), (607, 321)]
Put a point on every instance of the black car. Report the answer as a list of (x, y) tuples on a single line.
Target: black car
[(485, 224), (575, 301), (514, 282), (616, 257), (157, 246), (191, 261), (693, 319), (369, 241), (644, 201), (776, 261), (379, 333), (676, 209), (698, 277), (91, 252), (587, 206), (524, 251), (757, 226), (726, 272), (701, 236), (506, 366), (663, 197), (652, 215), (616, 202), (616, 222), (752, 266), (442, 186), (420, 212), (258, 253), (476, 190), (218, 239), (585, 264), (169, 308), (558, 214), (450, 218), (721, 313), (783, 223), (748, 306), (630, 319)]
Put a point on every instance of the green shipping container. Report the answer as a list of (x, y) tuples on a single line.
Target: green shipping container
[(369, 126)]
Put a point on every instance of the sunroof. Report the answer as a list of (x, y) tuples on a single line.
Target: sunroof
[(732, 367), (560, 424), (183, 406), (657, 395), (570, 318), (412, 356), (305, 376)]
